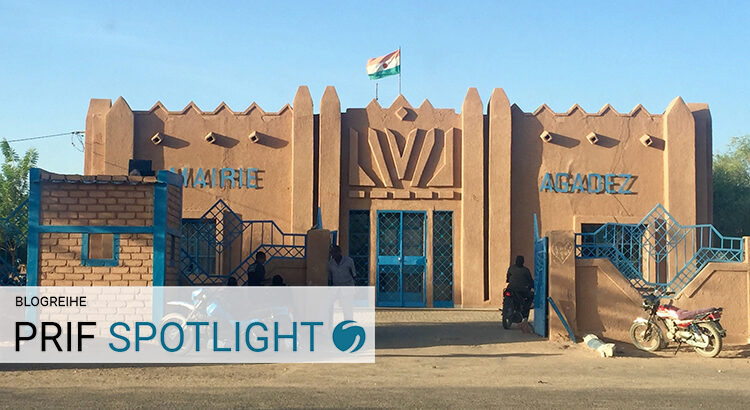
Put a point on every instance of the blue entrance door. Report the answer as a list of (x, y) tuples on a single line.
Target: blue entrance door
[(401, 258)]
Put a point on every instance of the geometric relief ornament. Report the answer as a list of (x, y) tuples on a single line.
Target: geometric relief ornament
[(429, 154), (357, 175)]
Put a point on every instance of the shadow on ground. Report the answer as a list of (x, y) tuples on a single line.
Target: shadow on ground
[(411, 335)]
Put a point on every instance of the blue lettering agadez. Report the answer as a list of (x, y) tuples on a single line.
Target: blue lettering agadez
[(219, 177), (563, 182)]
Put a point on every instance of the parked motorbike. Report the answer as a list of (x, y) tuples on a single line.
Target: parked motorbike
[(208, 308), (515, 306), (699, 328)]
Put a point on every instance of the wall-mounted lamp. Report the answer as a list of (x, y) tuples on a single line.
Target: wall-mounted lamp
[(546, 136), (647, 140), (157, 138), (210, 138), (593, 138)]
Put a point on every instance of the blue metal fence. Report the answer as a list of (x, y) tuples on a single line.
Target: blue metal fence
[(13, 240), (658, 255), (212, 246)]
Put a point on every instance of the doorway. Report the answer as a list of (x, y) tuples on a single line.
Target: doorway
[(401, 259)]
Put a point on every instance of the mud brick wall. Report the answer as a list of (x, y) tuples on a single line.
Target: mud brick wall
[(114, 305), (97, 204), (61, 262), (104, 230)]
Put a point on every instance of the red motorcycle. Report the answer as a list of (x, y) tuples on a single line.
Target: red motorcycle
[(697, 328)]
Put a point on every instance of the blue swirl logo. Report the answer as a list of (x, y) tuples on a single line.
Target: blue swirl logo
[(344, 337)]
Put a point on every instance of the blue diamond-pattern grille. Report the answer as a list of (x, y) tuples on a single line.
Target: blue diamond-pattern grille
[(226, 229), (210, 244), (13, 239), (413, 279), (658, 255), (389, 234), (442, 257), (413, 234), (389, 283), (359, 245)]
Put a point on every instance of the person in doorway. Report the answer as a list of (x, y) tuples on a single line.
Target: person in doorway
[(521, 284), (341, 271), (256, 272)]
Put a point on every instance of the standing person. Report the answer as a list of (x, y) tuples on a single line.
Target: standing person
[(521, 284), (256, 272), (341, 271)]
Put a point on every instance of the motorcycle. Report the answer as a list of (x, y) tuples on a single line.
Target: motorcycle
[(205, 308), (515, 307), (699, 328)]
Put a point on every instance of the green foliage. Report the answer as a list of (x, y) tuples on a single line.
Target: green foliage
[(14, 189), (14, 178), (731, 178)]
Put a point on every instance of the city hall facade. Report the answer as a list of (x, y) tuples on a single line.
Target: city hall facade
[(432, 204)]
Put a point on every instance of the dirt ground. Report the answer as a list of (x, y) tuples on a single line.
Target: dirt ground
[(425, 358)]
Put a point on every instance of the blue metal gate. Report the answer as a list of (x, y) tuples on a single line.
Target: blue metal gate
[(13, 240), (540, 282), (658, 255), (401, 258), (220, 245)]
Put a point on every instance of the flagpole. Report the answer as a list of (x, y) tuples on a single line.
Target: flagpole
[(399, 70), (376, 90)]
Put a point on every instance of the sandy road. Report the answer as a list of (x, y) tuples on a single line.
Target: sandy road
[(424, 359)]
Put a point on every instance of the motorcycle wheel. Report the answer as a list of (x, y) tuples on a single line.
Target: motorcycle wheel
[(637, 335), (507, 312), (506, 322), (714, 340)]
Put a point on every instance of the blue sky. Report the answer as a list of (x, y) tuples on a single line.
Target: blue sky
[(55, 56)]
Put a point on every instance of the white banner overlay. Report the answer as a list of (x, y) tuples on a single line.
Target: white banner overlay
[(187, 324)]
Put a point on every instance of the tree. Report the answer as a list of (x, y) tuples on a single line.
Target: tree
[(731, 178), (14, 189)]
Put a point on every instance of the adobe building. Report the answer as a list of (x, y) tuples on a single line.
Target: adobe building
[(431, 203)]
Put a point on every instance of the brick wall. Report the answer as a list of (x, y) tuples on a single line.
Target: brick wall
[(61, 262), (99, 230), (97, 204)]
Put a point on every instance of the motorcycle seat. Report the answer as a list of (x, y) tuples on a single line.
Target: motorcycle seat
[(689, 314)]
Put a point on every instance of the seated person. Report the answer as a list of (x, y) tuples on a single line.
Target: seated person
[(278, 281)]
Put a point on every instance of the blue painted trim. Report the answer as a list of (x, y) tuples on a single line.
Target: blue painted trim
[(32, 245), (86, 261), (94, 229), (170, 178), (160, 231), (562, 319)]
